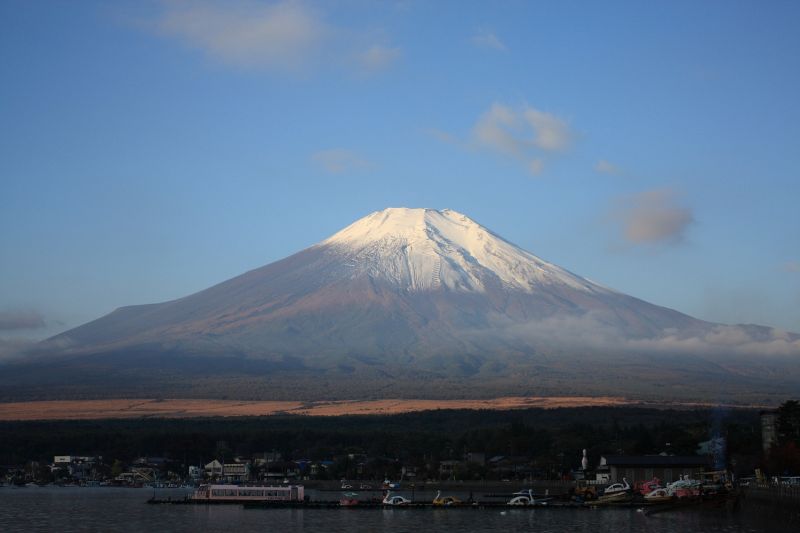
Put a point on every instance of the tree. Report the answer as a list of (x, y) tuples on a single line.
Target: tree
[(789, 423), (784, 457), (116, 468)]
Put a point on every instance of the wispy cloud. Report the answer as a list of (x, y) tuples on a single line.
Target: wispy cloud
[(792, 266), (499, 129), (339, 161), (279, 36), (653, 217), (516, 130), (20, 320), (606, 167), (378, 57), (593, 331), (551, 132), (11, 349), (488, 39), (525, 132), (247, 34), (443, 136)]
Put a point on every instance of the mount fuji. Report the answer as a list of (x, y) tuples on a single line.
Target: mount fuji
[(415, 303)]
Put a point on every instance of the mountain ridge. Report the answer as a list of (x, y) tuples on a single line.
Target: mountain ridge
[(418, 299)]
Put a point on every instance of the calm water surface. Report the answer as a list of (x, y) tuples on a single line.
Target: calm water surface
[(109, 509)]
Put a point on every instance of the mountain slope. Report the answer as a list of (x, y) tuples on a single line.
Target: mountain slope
[(408, 296), (412, 268)]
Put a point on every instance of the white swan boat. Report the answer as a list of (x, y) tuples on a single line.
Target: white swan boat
[(395, 500), (526, 498), (658, 496), (618, 492), (446, 500)]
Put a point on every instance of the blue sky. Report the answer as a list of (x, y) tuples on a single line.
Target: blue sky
[(150, 150)]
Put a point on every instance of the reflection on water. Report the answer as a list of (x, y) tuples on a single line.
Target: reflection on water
[(107, 509)]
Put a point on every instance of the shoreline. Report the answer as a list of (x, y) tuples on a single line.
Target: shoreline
[(204, 408)]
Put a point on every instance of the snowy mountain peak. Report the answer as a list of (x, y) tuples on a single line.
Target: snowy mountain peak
[(412, 224), (426, 249)]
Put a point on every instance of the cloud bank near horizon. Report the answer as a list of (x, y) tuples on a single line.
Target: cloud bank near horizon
[(21, 320), (593, 333)]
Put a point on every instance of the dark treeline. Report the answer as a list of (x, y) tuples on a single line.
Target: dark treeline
[(554, 437)]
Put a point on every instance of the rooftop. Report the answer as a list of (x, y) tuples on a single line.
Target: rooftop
[(655, 460)]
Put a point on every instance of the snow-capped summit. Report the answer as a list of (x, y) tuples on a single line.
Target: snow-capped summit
[(426, 249)]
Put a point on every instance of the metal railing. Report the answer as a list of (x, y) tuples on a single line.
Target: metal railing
[(777, 492)]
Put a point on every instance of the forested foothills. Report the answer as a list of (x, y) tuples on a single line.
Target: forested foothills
[(547, 443)]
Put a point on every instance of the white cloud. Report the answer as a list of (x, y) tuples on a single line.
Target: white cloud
[(487, 39), (516, 131), (594, 331), (551, 132), (339, 161), (378, 57), (499, 129), (721, 339), (443, 136), (605, 167), (653, 217), (21, 320), (247, 34), (536, 166), (11, 349), (792, 266), (284, 36), (524, 133)]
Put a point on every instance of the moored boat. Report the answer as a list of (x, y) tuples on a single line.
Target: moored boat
[(658, 496), (684, 488), (394, 500), (616, 493), (212, 493), (348, 499), (443, 501), (527, 498), (614, 497), (617, 487), (646, 487)]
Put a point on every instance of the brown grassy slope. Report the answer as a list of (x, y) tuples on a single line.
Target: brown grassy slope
[(180, 408)]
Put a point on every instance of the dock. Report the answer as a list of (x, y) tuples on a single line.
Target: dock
[(364, 505), (377, 504)]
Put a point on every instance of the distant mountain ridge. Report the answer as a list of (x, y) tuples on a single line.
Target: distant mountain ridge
[(421, 302)]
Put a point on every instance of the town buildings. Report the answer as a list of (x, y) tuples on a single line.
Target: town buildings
[(634, 468)]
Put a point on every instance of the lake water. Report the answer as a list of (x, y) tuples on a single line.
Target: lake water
[(110, 509)]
